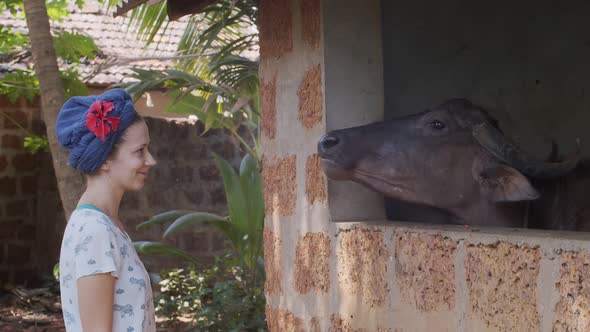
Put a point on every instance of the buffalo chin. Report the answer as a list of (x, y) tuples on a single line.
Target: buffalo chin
[(385, 188), (334, 171)]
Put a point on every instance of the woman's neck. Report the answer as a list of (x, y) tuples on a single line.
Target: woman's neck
[(104, 196)]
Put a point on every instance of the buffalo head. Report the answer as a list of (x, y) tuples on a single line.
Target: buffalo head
[(453, 157)]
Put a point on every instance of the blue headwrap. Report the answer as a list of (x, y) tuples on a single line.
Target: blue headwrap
[(90, 126)]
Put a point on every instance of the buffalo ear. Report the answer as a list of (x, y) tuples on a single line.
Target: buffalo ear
[(502, 183)]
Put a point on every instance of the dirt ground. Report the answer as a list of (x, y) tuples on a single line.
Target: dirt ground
[(38, 310)]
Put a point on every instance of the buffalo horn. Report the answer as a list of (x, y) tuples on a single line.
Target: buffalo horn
[(502, 148)]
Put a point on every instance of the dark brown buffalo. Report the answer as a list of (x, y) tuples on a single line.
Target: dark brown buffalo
[(455, 159)]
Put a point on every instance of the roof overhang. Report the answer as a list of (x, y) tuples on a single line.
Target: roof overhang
[(176, 8)]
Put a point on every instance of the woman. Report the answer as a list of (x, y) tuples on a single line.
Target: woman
[(104, 286)]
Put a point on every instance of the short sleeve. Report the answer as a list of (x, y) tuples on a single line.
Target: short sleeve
[(95, 249)]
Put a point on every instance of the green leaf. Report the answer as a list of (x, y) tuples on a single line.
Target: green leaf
[(163, 218), (185, 103), (251, 184), (195, 218), (14, 6), (159, 248), (147, 20), (34, 143), (73, 86), (56, 271), (236, 201), (57, 9), (19, 83), (72, 47), (209, 112), (11, 41)]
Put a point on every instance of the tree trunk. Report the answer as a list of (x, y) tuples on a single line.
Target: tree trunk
[(70, 183)]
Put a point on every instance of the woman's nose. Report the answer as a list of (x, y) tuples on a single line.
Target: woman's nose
[(150, 161)]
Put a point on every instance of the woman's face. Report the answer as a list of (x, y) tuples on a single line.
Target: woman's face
[(130, 163)]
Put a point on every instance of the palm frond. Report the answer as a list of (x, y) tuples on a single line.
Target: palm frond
[(147, 21)]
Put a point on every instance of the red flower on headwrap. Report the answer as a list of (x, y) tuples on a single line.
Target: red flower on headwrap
[(97, 120)]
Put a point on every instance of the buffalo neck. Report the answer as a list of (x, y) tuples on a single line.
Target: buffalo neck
[(486, 213)]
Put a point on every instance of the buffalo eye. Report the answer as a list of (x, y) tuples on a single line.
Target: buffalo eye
[(437, 124)]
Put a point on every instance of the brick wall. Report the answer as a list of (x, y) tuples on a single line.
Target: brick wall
[(31, 217), (20, 173)]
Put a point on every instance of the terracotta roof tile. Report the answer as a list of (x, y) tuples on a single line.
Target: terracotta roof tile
[(112, 39)]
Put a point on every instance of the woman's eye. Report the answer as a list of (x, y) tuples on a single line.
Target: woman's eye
[(437, 124)]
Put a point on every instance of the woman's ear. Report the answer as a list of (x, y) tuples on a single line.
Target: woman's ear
[(106, 165)]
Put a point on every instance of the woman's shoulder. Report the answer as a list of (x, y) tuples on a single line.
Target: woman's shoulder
[(83, 216), (87, 221)]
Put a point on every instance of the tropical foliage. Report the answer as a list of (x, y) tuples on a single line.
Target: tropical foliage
[(229, 295), (213, 79), (242, 226), (71, 48), (219, 298), (216, 83)]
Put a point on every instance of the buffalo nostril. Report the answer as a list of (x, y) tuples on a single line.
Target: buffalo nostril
[(327, 142)]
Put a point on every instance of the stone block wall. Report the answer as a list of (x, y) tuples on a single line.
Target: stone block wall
[(375, 276), (31, 217), (406, 277)]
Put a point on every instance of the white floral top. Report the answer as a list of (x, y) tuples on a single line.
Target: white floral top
[(92, 244)]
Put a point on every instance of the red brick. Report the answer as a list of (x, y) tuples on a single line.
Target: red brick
[(502, 285), (311, 98), (225, 149), (195, 196), (209, 173), (12, 141), (268, 96), (272, 262), (196, 153), (279, 185), (571, 312), (312, 263), (7, 186), (9, 229), (425, 270), (131, 201), (36, 102), (18, 254), (310, 18), (26, 276), (182, 173), (3, 163), (275, 23), (17, 209), (315, 184), (27, 233), (28, 184), (25, 162), (5, 102), (5, 275), (38, 127), (362, 265), (217, 196), (17, 116), (217, 241), (197, 243), (282, 320)]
